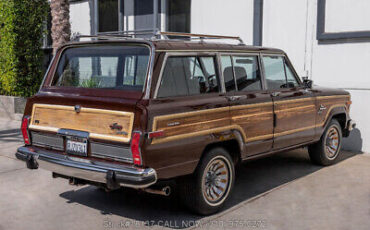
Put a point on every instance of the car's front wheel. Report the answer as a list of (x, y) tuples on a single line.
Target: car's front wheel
[(326, 151), (208, 189)]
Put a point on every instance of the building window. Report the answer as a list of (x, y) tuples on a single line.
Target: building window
[(143, 11), (178, 15), (118, 15), (108, 15)]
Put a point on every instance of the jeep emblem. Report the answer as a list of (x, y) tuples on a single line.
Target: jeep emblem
[(115, 126)]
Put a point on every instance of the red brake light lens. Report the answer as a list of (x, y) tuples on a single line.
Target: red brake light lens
[(24, 128), (156, 134), (135, 148)]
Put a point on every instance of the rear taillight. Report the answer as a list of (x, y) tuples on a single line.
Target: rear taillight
[(156, 134), (135, 148), (24, 128)]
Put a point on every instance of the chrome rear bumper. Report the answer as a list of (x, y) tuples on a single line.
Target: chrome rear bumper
[(89, 170)]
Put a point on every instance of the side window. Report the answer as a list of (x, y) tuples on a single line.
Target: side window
[(203, 76), (274, 72), (188, 76), (291, 80), (247, 74), (278, 74), (227, 69)]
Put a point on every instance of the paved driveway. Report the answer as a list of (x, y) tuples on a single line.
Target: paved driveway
[(284, 191)]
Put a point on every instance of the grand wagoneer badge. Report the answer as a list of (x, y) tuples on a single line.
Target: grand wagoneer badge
[(118, 127)]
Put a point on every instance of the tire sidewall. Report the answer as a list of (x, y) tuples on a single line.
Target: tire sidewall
[(211, 155), (323, 156)]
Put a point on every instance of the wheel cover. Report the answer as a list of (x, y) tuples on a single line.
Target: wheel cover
[(216, 180), (332, 143)]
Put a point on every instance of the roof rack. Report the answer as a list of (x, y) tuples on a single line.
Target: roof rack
[(155, 35), (117, 35), (200, 36)]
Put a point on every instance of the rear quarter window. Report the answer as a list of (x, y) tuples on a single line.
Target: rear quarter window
[(190, 75)]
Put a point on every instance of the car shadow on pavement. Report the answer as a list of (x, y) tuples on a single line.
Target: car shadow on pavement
[(253, 179), (10, 135)]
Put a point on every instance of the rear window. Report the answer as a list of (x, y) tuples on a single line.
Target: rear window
[(112, 67)]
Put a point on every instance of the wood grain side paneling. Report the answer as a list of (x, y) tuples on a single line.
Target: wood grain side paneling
[(296, 115), (252, 120), (204, 122), (189, 124), (95, 121), (255, 120), (330, 102)]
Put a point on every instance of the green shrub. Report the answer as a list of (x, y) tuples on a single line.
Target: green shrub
[(21, 31)]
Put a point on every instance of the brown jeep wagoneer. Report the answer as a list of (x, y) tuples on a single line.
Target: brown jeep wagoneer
[(120, 111)]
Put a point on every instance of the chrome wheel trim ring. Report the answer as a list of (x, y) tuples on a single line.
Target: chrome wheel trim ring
[(332, 143), (216, 180)]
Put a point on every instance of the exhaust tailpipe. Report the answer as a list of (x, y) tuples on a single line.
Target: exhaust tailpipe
[(165, 191)]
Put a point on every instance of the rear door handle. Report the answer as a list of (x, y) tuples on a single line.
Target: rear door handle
[(234, 98), (275, 94)]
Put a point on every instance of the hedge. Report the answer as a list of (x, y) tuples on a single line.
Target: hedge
[(21, 32)]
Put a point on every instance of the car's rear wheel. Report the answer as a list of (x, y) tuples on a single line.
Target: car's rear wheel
[(326, 151), (208, 189)]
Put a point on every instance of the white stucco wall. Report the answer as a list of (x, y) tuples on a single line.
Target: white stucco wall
[(80, 17), (359, 139), (346, 65), (232, 18), (284, 28), (291, 25)]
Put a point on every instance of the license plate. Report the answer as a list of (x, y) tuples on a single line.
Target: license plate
[(76, 146)]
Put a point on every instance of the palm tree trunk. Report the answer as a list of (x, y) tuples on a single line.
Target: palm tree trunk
[(61, 27)]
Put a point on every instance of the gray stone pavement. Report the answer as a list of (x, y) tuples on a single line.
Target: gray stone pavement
[(284, 191)]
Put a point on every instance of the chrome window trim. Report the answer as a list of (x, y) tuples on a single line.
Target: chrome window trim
[(149, 77), (262, 67), (239, 53), (47, 72), (222, 79)]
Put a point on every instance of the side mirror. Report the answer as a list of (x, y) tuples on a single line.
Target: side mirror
[(307, 83)]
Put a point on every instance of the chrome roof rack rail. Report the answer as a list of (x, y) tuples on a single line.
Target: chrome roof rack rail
[(118, 35), (131, 33), (155, 34), (200, 36)]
